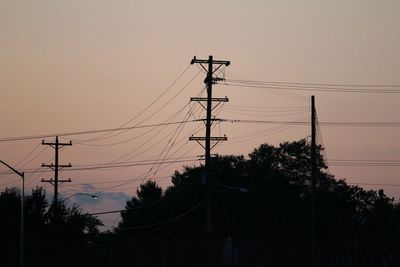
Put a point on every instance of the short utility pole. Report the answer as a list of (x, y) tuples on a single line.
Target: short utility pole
[(56, 167)]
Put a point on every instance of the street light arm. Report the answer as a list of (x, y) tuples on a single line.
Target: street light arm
[(80, 194), (22, 174)]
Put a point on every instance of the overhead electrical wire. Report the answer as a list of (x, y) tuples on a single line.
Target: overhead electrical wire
[(260, 134), (150, 105), (166, 164), (262, 114), (330, 88), (40, 136), (272, 109), (100, 166), (161, 222), (246, 187), (182, 189), (118, 129), (364, 163), (320, 84), (374, 184), (157, 110), (170, 143), (134, 137), (324, 123), (283, 93), (151, 138), (152, 224), (135, 151), (17, 165), (27, 156)]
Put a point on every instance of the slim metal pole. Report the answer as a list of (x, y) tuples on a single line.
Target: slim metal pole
[(21, 244)]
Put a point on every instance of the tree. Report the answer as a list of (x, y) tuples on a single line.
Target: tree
[(60, 231), (263, 204)]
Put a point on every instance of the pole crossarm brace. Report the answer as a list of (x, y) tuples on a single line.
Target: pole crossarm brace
[(51, 181), (214, 99), (210, 71), (214, 138), (60, 166), (206, 61), (59, 144)]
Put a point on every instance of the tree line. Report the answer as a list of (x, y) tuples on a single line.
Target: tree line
[(257, 210)]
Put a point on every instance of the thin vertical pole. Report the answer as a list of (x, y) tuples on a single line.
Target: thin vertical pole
[(21, 245), (209, 109), (313, 182), (56, 172)]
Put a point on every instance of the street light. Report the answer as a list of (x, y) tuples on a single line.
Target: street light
[(80, 194), (21, 243)]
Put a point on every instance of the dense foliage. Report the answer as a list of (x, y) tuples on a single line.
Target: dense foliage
[(259, 215), (261, 205), (54, 235)]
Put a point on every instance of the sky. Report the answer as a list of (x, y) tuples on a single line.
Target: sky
[(70, 66)]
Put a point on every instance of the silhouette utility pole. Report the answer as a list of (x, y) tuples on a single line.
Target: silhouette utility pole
[(313, 185), (208, 66), (56, 167)]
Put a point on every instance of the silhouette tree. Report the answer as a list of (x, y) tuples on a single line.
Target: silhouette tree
[(261, 206), (61, 232)]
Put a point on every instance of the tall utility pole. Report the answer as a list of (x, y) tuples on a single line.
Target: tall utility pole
[(313, 185), (56, 167), (209, 81)]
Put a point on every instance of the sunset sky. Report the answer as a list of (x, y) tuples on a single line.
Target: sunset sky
[(71, 66)]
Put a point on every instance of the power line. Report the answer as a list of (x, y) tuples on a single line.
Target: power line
[(148, 106), (143, 144), (40, 136), (160, 108), (85, 143), (107, 166), (160, 222), (375, 89), (277, 109), (318, 84), (374, 184), (259, 134), (247, 187), (151, 203), (170, 144), (325, 123), (364, 163)]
